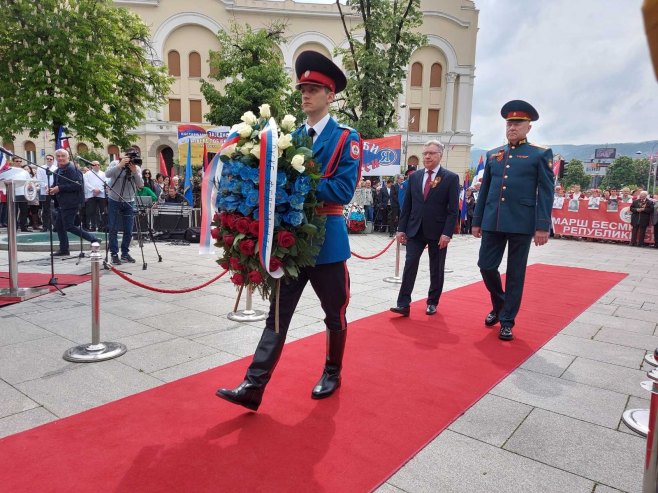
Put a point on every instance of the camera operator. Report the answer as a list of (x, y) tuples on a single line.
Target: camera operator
[(69, 197), (125, 179)]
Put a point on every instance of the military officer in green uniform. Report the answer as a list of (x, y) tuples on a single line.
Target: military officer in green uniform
[(514, 205)]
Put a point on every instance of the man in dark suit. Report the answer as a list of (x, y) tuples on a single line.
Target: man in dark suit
[(428, 218), (514, 205), (385, 205), (641, 210), (69, 197)]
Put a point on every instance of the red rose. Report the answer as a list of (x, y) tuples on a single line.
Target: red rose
[(228, 240), (285, 239), (242, 225), (247, 247), (234, 262), (230, 221), (214, 232), (275, 263), (217, 218), (253, 228), (223, 263), (255, 277), (237, 279)]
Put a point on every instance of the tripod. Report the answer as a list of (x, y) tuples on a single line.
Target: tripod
[(143, 214)]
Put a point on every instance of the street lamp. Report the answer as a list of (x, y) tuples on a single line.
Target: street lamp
[(452, 134), (652, 159)]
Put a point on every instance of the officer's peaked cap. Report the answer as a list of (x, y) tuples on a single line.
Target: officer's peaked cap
[(316, 69), (519, 110)]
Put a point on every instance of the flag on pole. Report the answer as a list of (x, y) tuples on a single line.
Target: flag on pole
[(204, 161), (4, 162), (479, 172), (163, 166), (62, 140), (187, 187)]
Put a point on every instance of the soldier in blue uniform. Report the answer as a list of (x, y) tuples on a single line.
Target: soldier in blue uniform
[(338, 149), (514, 205)]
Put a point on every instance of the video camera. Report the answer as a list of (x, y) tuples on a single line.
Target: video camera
[(135, 158)]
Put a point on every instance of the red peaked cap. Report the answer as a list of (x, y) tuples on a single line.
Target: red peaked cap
[(316, 69)]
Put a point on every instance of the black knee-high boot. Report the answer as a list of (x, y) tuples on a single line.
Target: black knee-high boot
[(330, 379), (250, 392)]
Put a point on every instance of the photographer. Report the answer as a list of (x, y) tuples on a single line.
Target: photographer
[(125, 178)]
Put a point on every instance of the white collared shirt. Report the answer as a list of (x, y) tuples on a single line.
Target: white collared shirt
[(435, 171), (319, 126)]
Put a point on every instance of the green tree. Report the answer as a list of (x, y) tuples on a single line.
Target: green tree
[(574, 174), (626, 172), (81, 64), (376, 59), (252, 61), (95, 155)]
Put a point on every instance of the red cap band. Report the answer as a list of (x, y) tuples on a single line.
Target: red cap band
[(518, 115), (318, 79)]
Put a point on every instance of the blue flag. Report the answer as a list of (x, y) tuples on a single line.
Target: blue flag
[(187, 187), (464, 210)]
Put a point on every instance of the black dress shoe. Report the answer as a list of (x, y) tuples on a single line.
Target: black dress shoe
[(115, 260), (431, 310), (492, 319), (505, 334), (61, 254), (246, 394), (402, 310)]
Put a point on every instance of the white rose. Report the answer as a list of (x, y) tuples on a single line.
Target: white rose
[(288, 122), (245, 130), (297, 162), (249, 118), (246, 149), (284, 141), (228, 151), (264, 111), (256, 151)]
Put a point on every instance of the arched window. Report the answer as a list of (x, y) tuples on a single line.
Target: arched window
[(82, 148), (9, 146), (173, 63), (436, 74), (417, 74), (30, 151), (114, 152), (195, 64)]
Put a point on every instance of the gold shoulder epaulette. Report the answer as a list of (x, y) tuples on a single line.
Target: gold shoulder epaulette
[(539, 145)]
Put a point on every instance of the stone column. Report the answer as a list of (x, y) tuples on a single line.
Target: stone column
[(449, 103), (464, 103)]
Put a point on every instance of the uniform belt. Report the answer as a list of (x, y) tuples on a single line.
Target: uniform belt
[(329, 210)]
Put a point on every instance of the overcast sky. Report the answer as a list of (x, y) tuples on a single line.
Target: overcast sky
[(584, 64)]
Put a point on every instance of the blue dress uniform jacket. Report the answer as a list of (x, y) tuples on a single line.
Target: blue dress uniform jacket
[(516, 195), (338, 188), (435, 216)]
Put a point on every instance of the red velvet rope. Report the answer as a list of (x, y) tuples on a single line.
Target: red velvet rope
[(160, 290), (376, 255)]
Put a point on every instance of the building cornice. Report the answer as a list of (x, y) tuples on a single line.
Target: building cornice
[(285, 8), (137, 3), (448, 17)]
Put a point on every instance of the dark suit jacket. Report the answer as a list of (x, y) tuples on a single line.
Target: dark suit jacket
[(384, 196), (71, 191), (641, 218), (395, 192), (435, 216)]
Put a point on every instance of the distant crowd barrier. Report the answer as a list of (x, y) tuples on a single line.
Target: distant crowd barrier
[(576, 218)]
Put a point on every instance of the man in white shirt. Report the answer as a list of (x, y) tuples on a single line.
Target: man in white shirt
[(95, 202), (45, 178)]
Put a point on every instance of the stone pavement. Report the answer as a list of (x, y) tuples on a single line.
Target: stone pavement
[(553, 425)]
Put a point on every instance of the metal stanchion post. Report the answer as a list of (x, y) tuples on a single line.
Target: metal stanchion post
[(396, 278), (650, 483), (96, 351), (638, 419), (248, 314)]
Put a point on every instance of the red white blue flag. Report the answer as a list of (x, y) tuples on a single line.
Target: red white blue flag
[(62, 140), (479, 172), (269, 159)]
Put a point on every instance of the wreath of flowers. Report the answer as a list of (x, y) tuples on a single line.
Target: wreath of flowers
[(298, 230)]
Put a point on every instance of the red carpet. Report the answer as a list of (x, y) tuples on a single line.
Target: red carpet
[(405, 380), (27, 280)]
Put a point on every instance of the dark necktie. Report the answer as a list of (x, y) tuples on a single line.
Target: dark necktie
[(311, 132), (428, 184)]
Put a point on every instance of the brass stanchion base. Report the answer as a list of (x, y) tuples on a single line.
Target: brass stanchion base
[(247, 316), (637, 420), (20, 294), (90, 353)]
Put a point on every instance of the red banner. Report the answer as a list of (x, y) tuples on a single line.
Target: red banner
[(580, 218)]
